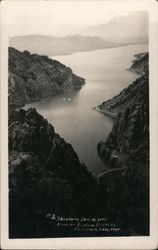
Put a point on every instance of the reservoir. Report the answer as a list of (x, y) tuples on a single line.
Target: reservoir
[(105, 73)]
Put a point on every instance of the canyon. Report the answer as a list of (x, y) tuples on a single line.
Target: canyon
[(45, 173)]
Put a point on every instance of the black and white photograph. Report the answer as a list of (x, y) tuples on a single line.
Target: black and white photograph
[(79, 128)]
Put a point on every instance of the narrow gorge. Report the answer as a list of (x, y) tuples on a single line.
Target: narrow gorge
[(45, 173)]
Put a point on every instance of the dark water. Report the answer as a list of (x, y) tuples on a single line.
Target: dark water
[(106, 75)]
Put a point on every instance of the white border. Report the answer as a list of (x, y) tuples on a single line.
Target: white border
[(150, 242)]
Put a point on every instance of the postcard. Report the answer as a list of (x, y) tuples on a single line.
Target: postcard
[(79, 124)]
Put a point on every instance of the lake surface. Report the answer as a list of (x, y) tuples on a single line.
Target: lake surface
[(106, 75)]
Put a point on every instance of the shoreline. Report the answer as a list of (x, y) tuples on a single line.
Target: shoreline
[(113, 115), (90, 50)]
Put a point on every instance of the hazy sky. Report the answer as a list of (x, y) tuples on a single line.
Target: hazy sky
[(58, 17)]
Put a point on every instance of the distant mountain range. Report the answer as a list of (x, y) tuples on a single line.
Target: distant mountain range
[(131, 29), (119, 31), (50, 46)]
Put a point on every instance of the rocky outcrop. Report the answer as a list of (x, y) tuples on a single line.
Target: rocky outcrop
[(132, 124), (140, 63), (33, 77), (127, 147), (46, 177), (128, 95)]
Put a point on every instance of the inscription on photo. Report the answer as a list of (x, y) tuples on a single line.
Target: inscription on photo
[(84, 224)]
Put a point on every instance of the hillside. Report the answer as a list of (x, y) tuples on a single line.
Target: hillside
[(33, 77), (127, 149), (140, 63), (128, 95), (52, 46), (46, 177)]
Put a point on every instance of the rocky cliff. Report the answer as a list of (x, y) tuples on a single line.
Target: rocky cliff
[(32, 77), (45, 174), (140, 63), (46, 177), (128, 95), (127, 148)]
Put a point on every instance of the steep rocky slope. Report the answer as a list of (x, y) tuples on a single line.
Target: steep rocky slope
[(127, 147), (140, 63), (32, 77), (128, 95), (45, 176)]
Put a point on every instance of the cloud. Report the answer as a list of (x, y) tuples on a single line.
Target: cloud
[(57, 17)]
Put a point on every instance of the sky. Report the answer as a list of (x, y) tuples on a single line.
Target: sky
[(59, 18)]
